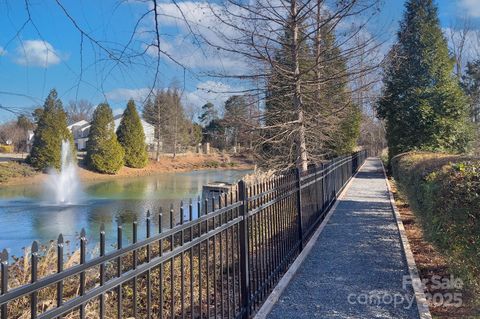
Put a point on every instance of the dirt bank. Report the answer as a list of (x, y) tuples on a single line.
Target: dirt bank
[(189, 162)]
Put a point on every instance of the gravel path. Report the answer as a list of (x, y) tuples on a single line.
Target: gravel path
[(357, 266)]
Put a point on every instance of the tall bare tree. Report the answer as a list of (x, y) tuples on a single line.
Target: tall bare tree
[(458, 34), (288, 60)]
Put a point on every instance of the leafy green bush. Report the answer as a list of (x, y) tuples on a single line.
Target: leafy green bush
[(444, 192)]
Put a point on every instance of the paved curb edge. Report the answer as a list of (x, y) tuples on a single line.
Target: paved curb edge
[(422, 304), (267, 306)]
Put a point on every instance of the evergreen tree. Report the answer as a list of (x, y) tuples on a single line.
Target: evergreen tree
[(422, 103), (278, 146), (214, 133), (236, 119), (104, 152), (152, 114), (165, 111), (132, 138), (50, 132), (195, 134), (333, 120), (209, 113)]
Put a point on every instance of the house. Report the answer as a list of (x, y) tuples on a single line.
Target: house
[(81, 129), (80, 132)]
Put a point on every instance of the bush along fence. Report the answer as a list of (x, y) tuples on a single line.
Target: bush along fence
[(221, 264)]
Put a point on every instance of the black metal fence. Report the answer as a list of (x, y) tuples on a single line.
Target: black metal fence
[(223, 264)]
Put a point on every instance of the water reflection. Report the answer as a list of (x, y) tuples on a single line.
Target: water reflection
[(23, 217)]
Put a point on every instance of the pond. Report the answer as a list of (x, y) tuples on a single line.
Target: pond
[(25, 216)]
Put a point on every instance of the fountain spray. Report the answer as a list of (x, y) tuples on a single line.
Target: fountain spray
[(63, 187)]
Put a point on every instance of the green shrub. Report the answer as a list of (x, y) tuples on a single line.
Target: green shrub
[(444, 192), (212, 164)]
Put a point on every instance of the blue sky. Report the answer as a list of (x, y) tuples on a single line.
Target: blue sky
[(48, 52)]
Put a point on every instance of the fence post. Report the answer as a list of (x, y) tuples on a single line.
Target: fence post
[(317, 196), (299, 207), (4, 283), (244, 282)]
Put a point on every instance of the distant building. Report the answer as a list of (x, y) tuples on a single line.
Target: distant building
[(80, 132), (81, 129)]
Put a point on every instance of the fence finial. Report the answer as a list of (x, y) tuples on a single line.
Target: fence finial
[(148, 214), (4, 256), (83, 234), (60, 239), (35, 247)]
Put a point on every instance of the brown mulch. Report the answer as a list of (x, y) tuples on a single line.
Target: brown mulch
[(430, 262)]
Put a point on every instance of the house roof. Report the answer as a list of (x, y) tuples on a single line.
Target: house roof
[(80, 124), (83, 125)]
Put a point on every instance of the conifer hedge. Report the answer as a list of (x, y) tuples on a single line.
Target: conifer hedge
[(444, 193)]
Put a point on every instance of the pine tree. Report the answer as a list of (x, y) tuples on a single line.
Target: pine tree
[(132, 138), (165, 111), (209, 113), (236, 119), (50, 132), (153, 115), (333, 120), (422, 103), (104, 152), (278, 146)]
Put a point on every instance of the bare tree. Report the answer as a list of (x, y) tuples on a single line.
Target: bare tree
[(79, 110), (275, 40), (458, 35)]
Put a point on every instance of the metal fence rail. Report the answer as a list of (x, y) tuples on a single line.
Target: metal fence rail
[(222, 264)]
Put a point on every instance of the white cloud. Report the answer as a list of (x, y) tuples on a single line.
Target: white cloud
[(194, 44), (37, 53), (124, 94), (2, 51), (470, 7)]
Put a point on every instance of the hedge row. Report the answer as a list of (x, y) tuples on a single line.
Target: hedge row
[(444, 193)]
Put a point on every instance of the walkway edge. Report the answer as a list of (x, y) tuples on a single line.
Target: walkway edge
[(267, 306), (422, 304)]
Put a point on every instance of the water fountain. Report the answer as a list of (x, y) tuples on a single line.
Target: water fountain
[(63, 187)]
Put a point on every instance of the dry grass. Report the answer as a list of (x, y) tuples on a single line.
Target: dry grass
[(161, 282), (11, 169)]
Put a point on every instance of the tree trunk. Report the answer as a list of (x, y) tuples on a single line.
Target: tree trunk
[(302, 160), (318, 53)]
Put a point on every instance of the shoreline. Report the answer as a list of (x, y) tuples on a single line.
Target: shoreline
[(183, 163)]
